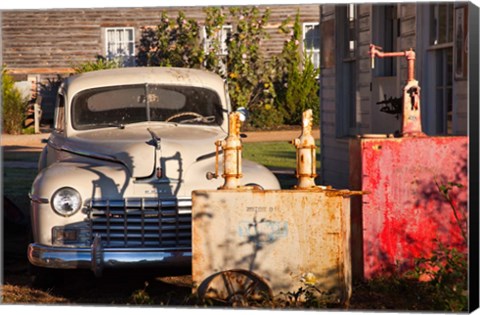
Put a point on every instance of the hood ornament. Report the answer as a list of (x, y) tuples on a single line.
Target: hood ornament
[(156, 140)]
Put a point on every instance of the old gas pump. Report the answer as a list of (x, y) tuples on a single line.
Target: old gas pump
[(232, 154), (411, 119), (306, 160)]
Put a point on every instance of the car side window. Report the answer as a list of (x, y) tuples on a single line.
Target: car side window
[(60, 113)]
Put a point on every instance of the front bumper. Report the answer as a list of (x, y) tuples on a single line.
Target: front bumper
[(97, 258)]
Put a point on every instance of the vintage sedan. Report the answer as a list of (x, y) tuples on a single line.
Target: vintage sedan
[(115, 179)]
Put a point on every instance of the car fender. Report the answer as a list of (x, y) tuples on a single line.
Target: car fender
[(252, 173), (108, 180)]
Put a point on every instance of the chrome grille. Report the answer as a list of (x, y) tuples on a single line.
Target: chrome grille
[(142, 222)]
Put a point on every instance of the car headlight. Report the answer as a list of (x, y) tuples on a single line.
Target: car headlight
[(66, 201)]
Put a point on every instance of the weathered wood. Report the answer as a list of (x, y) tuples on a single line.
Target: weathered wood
[(408, 26), (58, 38), (408, 10), (40, 70)]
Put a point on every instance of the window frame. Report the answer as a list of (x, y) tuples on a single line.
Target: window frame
[(313, 52), (226, 28), (385, 20), (440, 54), (346, 71), (131, 55)]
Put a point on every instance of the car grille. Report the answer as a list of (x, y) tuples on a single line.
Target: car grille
[(150, 223)]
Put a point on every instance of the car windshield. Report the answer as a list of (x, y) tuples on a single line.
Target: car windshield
[(121, 105)]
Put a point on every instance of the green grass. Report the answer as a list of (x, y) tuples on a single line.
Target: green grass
[(17, 182), (16, 185), (276, 154), (24, 156)]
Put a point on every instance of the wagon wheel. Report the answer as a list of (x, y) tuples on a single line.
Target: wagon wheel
[(236, 288)]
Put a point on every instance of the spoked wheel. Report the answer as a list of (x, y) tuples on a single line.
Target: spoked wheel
[(237, 287)]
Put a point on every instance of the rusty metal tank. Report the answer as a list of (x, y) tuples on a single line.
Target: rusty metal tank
[(280, 235), (249, 241)]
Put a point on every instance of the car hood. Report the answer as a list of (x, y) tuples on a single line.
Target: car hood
[(134, 147)]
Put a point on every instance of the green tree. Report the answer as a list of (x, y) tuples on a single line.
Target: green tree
[(297, 82), (178, 43), (14, 105), (249, 74)]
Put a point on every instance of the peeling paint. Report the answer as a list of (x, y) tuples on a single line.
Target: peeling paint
[(405, 217)]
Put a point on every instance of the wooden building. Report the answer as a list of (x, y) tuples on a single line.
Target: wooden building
[(352, 93), (52, 41)]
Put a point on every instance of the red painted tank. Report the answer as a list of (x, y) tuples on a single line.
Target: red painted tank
[(405, 216)]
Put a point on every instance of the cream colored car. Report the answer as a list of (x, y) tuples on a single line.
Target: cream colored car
[(115, 179)]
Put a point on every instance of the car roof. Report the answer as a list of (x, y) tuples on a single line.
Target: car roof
[(140, 75)]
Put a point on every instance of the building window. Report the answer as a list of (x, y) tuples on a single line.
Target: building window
[(441, 49), (120, 45), (311, 42), (385, 23), (350, 29), (218, 43), (348, 115), (222, 37), (443, 90), (441, 23)]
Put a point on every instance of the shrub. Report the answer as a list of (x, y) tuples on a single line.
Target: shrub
[(297, 84), (446, 269), (14, 105), (248, 74), (176, 43), (100, 63)]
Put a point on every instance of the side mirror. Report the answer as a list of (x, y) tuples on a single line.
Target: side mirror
[(243, 113)]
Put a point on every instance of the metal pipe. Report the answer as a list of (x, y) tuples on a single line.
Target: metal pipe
[(376, 51), (411, 119)]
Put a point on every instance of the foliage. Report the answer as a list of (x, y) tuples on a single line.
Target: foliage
[(29, 130), (175, 43), (14, 105), (141, 296), (297, 83), (459, 214), (265, 116), (249, 78), (146, 49), (100, 63), (304, 297), (447, 273), (446, 269)]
